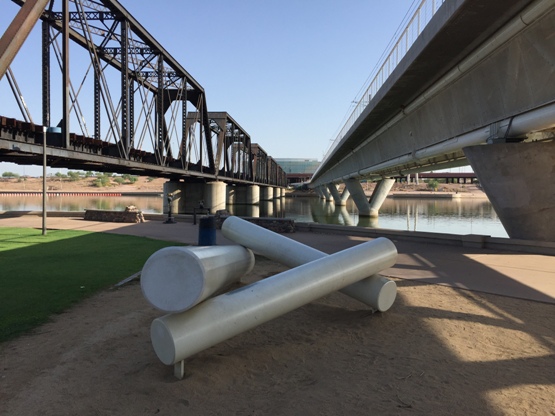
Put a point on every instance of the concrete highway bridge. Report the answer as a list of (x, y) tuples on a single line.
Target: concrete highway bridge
[(149, 115), (476, 86)]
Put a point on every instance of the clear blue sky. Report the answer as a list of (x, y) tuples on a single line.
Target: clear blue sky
[(287, 71)]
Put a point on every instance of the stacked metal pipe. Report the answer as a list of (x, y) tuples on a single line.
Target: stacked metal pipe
[(181, 281)]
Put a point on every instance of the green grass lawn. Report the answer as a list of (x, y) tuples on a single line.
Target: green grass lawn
[(44, 275)]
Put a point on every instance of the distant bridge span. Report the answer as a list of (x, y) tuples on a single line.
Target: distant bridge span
[(149, 115), (481, 72)]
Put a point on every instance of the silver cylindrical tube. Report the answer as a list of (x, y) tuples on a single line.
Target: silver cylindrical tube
[(375, 291), (175, 279), (178, 336)]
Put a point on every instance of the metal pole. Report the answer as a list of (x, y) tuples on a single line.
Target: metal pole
[(175, 279), (178, 336), (65, 73), (45, 74), (43, 180), (375, 291)]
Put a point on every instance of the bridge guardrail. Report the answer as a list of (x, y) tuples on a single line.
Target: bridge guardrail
[(388, 62)]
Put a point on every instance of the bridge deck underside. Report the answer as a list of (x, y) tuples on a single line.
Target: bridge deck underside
[(518, 77)]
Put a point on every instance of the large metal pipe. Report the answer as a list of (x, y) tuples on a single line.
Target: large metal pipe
[(175, 279), (375, 291), (178, 336)]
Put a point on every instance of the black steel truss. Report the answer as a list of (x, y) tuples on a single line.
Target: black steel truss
[(151, 103)]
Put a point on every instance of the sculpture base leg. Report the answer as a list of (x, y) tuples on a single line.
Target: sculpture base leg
[(179, 369)]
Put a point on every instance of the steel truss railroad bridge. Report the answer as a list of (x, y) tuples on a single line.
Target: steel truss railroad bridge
[(150, 115)]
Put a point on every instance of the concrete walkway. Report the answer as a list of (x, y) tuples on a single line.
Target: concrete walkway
[(519, 275)]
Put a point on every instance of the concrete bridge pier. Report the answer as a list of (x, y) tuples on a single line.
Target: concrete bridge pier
[(252, 195), (175, 189), (215, 196), (339, 199), (187, 196), (358, 195), (365, 208), (232, 194), (518, 180), (266, 193), (325, 193), (243, 194), (380, 193)]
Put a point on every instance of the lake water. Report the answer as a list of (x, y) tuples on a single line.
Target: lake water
[(456, 216)]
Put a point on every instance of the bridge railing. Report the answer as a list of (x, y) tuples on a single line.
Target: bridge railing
[(388, 62)]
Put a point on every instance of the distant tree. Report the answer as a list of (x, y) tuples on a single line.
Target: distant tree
[(102, 181), (130, 178), (433, 184), (74, 176), (10, 175)]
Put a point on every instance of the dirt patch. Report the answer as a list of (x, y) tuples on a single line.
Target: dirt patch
[(437, 351), (143, 184)]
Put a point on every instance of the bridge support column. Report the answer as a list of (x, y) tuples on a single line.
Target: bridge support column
[(214, 196), (369, 209), (175, 189), (232, 194), (326, 194), (243, 194), (253, 195), (339, 199), (359, 197), (378, 196), (518, 180), (266, 193)]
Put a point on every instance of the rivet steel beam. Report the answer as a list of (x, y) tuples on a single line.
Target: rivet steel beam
[(18, 30)]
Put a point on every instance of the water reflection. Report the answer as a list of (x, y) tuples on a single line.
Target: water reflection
[(456, 216), (148, 204)]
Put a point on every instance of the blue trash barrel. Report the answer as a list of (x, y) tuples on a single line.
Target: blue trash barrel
[(207, 231)]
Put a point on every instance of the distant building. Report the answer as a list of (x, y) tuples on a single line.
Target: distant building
[(298, 170)]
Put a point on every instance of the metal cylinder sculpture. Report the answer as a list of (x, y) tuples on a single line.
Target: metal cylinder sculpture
[(375, 291), (178, 336), (175, 279)]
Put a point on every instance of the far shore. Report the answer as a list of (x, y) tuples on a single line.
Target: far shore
[(155, 186)]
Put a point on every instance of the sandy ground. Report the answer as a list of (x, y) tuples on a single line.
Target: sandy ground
[(439, 350)]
